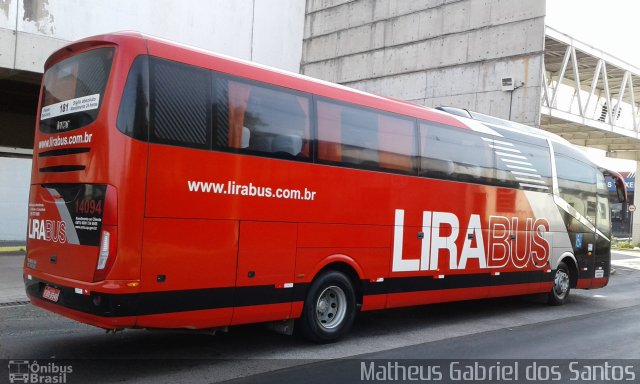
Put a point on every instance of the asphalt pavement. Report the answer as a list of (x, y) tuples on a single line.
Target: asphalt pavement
[(11, 284), (594, 324), (600, 339)]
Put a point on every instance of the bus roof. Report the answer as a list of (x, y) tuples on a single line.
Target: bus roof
[(267, 74), (452, 116)]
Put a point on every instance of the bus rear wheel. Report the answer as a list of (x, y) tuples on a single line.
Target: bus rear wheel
[(329, 309), (561, 285)]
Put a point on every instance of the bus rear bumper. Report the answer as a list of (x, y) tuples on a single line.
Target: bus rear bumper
[(103, 310), (108, 323), (592, 283)]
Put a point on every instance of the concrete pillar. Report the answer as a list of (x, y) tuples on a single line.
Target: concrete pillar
[(635, 230)]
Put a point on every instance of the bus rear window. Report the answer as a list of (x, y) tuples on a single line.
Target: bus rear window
[(73, 90)]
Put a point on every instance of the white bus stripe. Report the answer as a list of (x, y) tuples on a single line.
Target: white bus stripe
[(530, 180), (511, 155), (533, 186), (517, 162), (498, 141), (497, 147), (527, 174), (503, 143), (523, 168)]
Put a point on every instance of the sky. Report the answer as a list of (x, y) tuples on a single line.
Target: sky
[(607, 25)]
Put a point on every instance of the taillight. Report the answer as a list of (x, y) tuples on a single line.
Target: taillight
[(104, 250), (109, 237), (108, 252)]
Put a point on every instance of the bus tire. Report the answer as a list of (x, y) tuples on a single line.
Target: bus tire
[(561, 285), (329, 309)]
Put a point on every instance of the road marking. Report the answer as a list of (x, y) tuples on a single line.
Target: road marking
[(14, 304), (627, 263)]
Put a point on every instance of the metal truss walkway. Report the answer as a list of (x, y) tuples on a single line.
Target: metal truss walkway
[(589, 97)]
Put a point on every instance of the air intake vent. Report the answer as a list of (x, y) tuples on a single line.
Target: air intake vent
[(63, 152), (63, 168)]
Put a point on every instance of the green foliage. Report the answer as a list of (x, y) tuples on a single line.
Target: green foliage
[(625, 245)]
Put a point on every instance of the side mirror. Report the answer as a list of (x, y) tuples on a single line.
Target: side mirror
[(621, 187)]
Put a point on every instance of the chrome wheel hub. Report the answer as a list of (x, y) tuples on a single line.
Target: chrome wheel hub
[(561, 283), (331, 307)]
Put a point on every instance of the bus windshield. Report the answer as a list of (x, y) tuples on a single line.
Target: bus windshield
[(73, 90)]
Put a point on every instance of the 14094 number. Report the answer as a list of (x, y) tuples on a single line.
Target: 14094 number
[(89, 207)]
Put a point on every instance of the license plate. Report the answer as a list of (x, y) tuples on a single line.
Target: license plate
[(51, 293)]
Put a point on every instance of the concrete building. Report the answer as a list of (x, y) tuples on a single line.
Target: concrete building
[(493, 56), (432, 52), (265, 31)]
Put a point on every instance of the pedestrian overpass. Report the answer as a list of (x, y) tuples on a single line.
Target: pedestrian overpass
[(590, 97)]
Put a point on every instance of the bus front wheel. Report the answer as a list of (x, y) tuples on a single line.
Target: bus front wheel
[(561, 285), (329, 309)]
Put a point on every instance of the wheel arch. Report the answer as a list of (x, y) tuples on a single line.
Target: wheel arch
[(571, 262), (346, 265)]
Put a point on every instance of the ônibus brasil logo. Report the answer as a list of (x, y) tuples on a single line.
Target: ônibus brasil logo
[(511, 241), (25, 371)]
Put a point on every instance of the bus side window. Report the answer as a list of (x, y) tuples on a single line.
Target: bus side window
[(262, 120), (523, 165), (603, 220), (365, 139), (329, 132), (577, 185), (359, 137), (133, 115), (181, 98), (397, 141), (454, 154)]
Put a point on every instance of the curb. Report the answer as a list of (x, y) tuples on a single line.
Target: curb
[(19, 248), (627, 252)]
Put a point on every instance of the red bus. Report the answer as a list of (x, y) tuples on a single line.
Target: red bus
[(176, 188)]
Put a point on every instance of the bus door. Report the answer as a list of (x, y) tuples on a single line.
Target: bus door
[(595, 242), (603, 225), (582, 232), (584, 252), (578, 199), (265, 272), (602, 251)]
